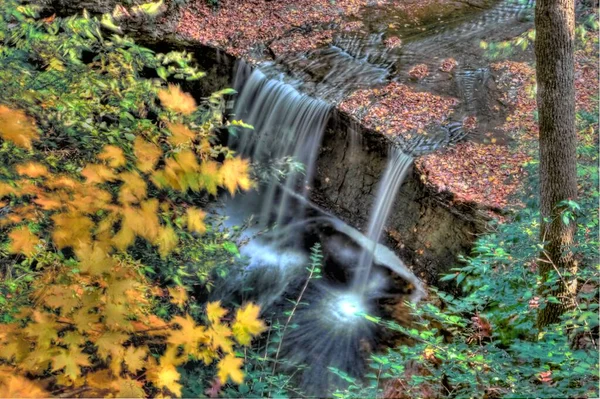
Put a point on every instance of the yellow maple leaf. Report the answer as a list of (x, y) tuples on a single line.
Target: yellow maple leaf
[(174, 99), (111, 344), (128, 388), (124, 238), (134, 358), (113, 155), (180, 134), (96, 174), (32, 169), (234, 174), (189, 335), (71, 229), (147, 154), (214, 312), (83, 319), (230, 367), (71, 361), (166, 240), (218, 337), (133, 189), (167, 377), (23, 241), (179, 296), (247, 324), (17, 127), (93, 259), (195, 220)]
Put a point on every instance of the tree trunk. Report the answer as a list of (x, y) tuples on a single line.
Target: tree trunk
[(554, 50)]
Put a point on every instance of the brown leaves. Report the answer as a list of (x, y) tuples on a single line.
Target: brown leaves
[(419, 71), (396, 109), (480, 173), (17, 127), (238, 26), (174, 99)]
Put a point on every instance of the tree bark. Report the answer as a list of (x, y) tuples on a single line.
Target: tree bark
[(554, 50)]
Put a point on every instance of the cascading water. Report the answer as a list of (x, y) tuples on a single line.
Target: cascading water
[(331, 331), (286, 123), (398, 165)]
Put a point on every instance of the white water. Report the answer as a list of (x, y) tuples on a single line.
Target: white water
[(286, 123), (398, 165)]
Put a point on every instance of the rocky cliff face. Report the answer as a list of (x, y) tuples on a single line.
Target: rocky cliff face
[(426, 229)]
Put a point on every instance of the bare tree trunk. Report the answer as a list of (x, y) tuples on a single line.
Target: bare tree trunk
[(554, 50)]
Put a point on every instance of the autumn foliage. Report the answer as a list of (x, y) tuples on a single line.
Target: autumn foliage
[(87, 325)]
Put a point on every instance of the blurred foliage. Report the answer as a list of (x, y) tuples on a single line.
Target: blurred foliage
[(99, 165)]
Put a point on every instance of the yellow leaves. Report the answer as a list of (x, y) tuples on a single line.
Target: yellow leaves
[(174, 99), (96, 174), (134, 358), (112, 155), (147, 154), (230, 367), (214, 312), (189, 336), (71, 229), (32, 169), (247, 324), (93, 259), (128, 388), (234, 174), (111, 344), (17, 127), (167, 377), (178, 296), (133, 189), (180, 134), (71, 361), (23, 241), (195, 220), (167, 240)]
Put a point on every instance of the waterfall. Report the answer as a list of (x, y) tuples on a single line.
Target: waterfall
[(395, 172), (286, 124)]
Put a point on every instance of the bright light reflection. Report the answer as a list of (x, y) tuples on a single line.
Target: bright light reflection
[(349, 306)]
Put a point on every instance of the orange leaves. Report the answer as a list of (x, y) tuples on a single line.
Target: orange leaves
[(17, 127), (113, 156), (174, 99), (234, 174), (96, 174), (247, 324), (147, 154), (180, 134), (13, 385), (32, 169), (23, 241)]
